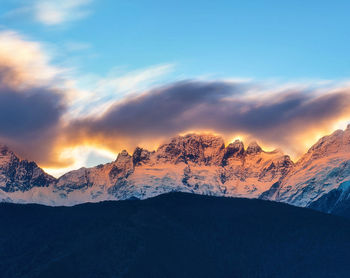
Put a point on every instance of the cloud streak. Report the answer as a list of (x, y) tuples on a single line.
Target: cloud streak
[(281, 119), (106, 91), (53, 12)]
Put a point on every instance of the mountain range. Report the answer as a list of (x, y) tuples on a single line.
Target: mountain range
[(193, 163)]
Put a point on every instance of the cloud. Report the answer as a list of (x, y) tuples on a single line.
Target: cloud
[(23, 62), (66, 122), (53, 12), (30, 121), (281, 118), (103, 92), (38, 100), (81, 156), (30, 106)]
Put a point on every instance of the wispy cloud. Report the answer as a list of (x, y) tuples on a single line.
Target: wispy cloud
[(103, 92), (53, 12)]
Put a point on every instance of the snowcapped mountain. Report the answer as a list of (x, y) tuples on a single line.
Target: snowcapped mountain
[(20, 175), (325, 167), (193, 163)]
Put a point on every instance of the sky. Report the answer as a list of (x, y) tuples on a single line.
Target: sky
[(80, 80)]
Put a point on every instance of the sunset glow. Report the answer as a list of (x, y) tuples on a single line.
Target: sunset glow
[(174, 138), (68, 117)]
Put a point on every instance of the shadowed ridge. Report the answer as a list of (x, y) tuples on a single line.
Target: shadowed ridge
[(172, 235)]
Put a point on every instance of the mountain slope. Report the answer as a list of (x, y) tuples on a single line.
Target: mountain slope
[(173, 235), (337, 201), (20, 175), (325, 167), (192, 163)]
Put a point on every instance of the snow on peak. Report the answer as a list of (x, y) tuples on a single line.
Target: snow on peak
[(323, 168), (20, 175), (192, 163), (336, 143)]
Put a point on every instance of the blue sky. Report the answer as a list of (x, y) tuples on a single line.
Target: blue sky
[(253, 39), (109, 72)]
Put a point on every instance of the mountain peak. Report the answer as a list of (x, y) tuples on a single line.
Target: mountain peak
[(6, 156), (17, 174), (195, 148), (237, 145), (122, 156), (140, 156), (254, 148), (233, 150), (192, 163), (337, 142), (191, 138), (124, 153), (4, 149)]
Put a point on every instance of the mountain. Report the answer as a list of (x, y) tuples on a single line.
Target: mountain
[(172, 235), (20, 175), (194, 163), (336, 201), (324, 168)]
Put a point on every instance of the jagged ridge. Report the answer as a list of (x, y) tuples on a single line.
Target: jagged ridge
[(20, 175), (193, 163)]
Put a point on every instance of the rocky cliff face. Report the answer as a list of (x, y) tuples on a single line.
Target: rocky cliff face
[(20, 175), (202, 164), (193, 163)]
